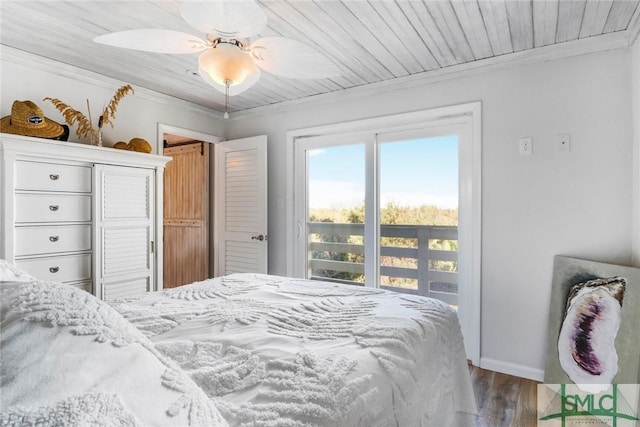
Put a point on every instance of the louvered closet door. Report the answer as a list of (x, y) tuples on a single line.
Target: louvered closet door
[(123, 231), (242, 205)]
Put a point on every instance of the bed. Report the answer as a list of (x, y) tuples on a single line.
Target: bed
[(238, 350)]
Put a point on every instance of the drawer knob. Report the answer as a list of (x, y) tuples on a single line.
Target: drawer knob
[(54, 269), (54, 207), (54, 177), (54, 238)]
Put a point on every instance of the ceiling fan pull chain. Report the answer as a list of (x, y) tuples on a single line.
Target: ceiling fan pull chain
[(227, 83)]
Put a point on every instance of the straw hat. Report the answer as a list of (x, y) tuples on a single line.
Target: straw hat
[(28, 119), (140, 145), (136, 144)]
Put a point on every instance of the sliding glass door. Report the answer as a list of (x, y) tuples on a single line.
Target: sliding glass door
[(381, 210), (393, 202), (335, 196), (418, 213)]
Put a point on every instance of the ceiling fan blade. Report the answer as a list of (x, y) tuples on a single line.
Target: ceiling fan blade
[(159, 41), (291, 58), (233, 90), (231, 19)]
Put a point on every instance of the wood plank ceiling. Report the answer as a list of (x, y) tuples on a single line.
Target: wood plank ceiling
[(371, 41)]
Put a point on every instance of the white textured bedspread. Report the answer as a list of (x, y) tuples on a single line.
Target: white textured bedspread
[(276, 351)]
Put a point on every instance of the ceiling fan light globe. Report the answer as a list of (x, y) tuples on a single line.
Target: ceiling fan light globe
[(227, 63), (233, 90)]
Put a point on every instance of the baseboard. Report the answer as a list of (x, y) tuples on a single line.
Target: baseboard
[(512, 369)]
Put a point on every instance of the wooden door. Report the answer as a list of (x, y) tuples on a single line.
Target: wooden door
[(241, 205), (186, 214)]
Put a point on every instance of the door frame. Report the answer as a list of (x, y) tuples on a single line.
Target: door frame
[(163, 129), (470, 193)]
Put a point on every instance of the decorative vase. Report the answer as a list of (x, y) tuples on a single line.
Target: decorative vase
[(96, 139)]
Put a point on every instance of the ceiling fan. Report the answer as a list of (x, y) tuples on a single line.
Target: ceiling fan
[(228, 61)]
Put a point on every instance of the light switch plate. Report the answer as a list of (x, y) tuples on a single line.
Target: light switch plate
[(564, 142)]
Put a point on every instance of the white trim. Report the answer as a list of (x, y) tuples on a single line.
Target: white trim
[(21, 57), (475, 236), (158, 284), (187, 133), (387, 123), (468, 115), (49, 149), (635, 186), (7, 214), (372, 213), (634, 27), (512, 369)]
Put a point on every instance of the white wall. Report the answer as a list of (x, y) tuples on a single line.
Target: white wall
[(576, 203), (635, 75), (26, 77)]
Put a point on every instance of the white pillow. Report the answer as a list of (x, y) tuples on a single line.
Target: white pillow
[(72, 359)]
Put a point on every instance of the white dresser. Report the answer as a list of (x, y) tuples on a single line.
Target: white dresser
[(87, 216)]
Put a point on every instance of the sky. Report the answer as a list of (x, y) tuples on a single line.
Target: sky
[(412, 173)]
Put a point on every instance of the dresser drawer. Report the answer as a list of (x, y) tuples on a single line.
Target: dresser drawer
[(52, 177), (130, 288), (52, 239), (84, 286), (70, 268), (52, 208)]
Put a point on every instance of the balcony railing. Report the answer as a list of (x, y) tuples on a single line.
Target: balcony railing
[(415, 259)]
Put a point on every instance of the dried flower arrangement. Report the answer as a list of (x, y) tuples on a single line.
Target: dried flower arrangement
[(85, 127)]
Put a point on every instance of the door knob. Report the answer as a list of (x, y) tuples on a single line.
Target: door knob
[(258, 237)]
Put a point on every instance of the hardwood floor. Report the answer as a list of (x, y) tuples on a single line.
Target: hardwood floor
[(504, 400)]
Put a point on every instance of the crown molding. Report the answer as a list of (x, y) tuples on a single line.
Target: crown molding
[(21, 57), (611, 41), (634, 27)]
